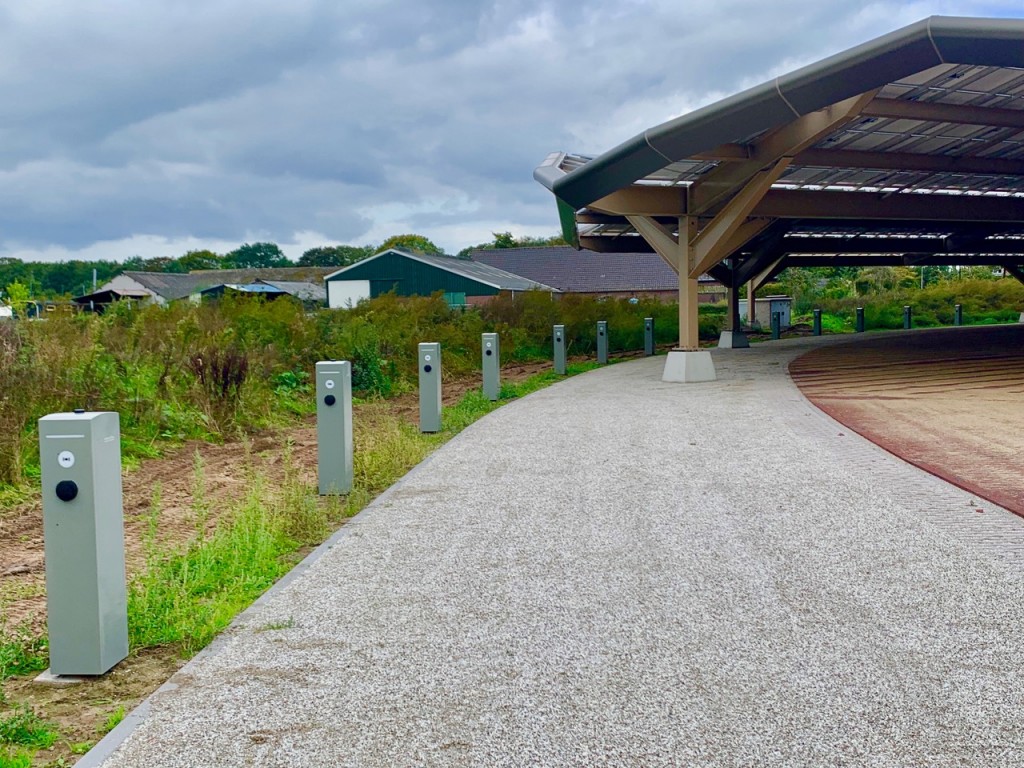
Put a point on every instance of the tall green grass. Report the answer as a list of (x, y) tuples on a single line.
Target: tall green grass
[(984, 302), (184, 596), (216, 371)]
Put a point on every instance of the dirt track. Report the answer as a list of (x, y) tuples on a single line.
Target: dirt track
[(950, 401)]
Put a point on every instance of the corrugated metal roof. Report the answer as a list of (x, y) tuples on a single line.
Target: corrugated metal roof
[(172, 286), (300, 290), (262, 288), (574, 271)]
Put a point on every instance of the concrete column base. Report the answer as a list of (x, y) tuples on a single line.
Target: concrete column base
[(689, 366), (733, 340)]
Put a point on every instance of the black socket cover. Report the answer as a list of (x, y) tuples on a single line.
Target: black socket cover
[(67, 490), (427, 368), (330, 400), (488, 353)]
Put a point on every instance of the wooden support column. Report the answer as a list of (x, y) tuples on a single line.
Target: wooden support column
[(688, 319), (731, 308), (755, 284)]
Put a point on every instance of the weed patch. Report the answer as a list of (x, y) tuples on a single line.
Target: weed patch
[(23, 728)]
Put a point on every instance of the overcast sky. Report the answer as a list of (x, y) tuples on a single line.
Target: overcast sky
[(161, 126)]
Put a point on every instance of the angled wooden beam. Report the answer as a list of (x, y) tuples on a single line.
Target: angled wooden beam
[(819, 204), (814, 204), (931, 111), (722, 274), (644, 201), (1017, 270), (728, 178), (769, 272), (659, 237), (746, 232), (909, 161), (756, 264), (717, 238)]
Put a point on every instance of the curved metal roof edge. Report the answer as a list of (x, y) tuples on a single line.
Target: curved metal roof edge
[(914, 48)]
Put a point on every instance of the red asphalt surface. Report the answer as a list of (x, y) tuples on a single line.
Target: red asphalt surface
[(950, 401)]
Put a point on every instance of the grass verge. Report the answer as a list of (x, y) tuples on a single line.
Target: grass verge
[(186, 594)]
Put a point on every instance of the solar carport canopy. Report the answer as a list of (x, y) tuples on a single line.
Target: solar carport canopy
[(907, 149)]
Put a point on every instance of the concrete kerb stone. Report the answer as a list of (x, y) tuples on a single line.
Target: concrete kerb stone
[(96, 756)]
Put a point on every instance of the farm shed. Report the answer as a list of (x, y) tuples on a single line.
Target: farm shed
[(307, 293), (234, 289), (164, 287), (417, 274), (617, 275)]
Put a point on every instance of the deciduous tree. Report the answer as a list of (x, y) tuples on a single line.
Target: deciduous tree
[(334, 255), (202, 259), (411, 243), (257, 256)]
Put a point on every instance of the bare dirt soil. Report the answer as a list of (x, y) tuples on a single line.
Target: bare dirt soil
[(950, 401), (80, 710)]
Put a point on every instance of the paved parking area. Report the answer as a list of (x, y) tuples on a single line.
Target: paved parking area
[(949, 400), (616, 571)]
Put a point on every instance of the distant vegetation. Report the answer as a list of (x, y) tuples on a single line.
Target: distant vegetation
[(986, 296), (54, 280), (216, 370)]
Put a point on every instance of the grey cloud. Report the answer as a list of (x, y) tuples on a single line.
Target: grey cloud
[(221, 118)]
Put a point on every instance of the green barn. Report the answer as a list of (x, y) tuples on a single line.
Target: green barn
[(417, 274)]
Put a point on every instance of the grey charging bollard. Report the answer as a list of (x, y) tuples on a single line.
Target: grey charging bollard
[(776, 325), (491, 364), (602, 342), (860, 320), (648, 336), (816, 328), (958, 314), (559, 343), (430, 387), (334, 426), (907, 318), (83, 531)]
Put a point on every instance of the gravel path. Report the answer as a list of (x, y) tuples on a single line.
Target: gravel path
[(621, 572)]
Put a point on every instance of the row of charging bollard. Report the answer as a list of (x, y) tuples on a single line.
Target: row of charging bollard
[(83, 518), (908, 319), (559, 342)]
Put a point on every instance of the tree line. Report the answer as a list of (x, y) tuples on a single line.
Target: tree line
[(49, 280)]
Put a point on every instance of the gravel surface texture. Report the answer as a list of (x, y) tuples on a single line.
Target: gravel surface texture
[(616, 571)]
